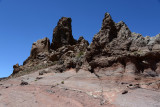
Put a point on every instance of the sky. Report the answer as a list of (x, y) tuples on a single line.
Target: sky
[(23, 22)]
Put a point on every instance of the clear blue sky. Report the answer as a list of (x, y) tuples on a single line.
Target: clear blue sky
[(23, 22)]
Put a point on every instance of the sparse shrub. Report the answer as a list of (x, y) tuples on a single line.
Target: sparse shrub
[(80, 54), (62, 82)]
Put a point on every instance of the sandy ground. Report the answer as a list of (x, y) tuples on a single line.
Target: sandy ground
[(82, 89)]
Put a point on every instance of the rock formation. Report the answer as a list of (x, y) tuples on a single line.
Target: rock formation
[(119, 68), (70, 56), (113, 45), (62, 34), (64, 49), (16, 68), (39, 51), (42, 45)]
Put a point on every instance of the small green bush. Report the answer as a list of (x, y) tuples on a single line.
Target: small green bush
[(80, 54), (62, 82)]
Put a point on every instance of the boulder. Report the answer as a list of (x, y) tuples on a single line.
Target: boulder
[(23, 83)]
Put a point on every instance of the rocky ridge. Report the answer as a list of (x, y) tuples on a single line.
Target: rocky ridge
[(118, 69), (113, 44)]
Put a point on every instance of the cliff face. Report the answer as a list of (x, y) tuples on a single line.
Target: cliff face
[(113, 44), (64, 51), (62, 34)]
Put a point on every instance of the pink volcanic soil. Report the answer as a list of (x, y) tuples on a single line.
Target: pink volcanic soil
[(82, 89)]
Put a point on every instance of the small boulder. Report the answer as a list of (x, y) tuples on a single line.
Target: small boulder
[(23, 83), (125, 92), (42, 72)]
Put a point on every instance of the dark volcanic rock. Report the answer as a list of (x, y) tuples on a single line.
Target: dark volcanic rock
[(62, 34), (23, 83), (42, 45), (112, 39), (125, 92), (64, 48), (70, 56), (39, 51), (113, 46), (82, 44), (116, 43), (16, 68)]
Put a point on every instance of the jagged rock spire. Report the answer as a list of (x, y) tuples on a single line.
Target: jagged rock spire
[(62, 34)]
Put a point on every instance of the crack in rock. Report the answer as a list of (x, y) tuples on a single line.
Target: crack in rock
[(102, 99)]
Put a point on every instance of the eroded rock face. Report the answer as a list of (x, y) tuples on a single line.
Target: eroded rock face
[(62, 34), (40, 46), (111, 39), (39, 51), (115, 43), (82, 44), (64, 50), (16, 68), (71, 56)]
